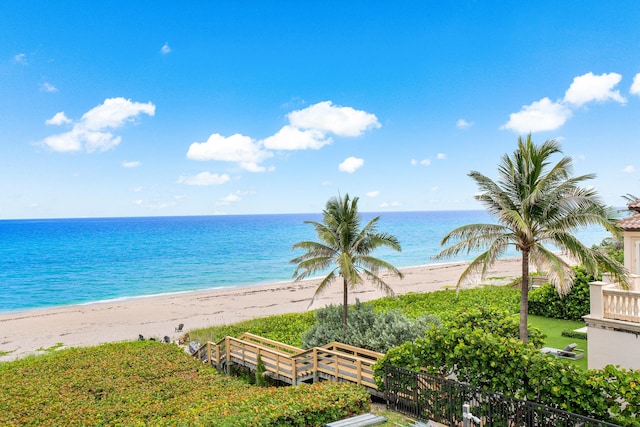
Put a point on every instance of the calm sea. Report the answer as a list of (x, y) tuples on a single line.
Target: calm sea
[(48, 263)]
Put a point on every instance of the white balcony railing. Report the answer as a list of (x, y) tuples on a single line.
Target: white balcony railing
[(621, 305)]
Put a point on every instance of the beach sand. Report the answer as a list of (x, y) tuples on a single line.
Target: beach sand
[(23, 333)]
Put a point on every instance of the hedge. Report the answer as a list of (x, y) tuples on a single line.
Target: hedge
[(545, 301)]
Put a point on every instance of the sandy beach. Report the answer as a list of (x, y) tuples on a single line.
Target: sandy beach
[(23, 333)]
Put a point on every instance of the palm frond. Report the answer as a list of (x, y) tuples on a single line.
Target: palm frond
[(557, 270), (322, 286), (470, 238)]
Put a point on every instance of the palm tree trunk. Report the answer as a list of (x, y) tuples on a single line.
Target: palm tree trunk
[(524, 298), (345, 307)]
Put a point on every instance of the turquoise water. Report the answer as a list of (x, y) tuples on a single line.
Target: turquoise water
[(48, 263)]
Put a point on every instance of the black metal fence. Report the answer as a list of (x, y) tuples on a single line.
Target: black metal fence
[(431, 398)]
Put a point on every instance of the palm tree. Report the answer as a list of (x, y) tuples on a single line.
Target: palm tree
[(535, 203), (346, 247)]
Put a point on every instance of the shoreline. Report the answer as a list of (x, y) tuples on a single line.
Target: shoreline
[(24, 332), (238, 287)]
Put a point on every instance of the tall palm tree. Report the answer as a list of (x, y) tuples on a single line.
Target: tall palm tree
[(535, 203), (346, 247)]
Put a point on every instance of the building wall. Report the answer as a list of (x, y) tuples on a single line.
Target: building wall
[(610, 347), (632, 251)]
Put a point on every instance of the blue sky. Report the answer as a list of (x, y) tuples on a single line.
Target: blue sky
[(194, 108)]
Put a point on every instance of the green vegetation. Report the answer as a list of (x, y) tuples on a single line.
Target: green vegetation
[(535, 204), (285, 328), (613, 247), (289, 328), (54, 347), (144, 382), (149, 383), (345, 250), (261, 374), (545, 301), (480, 348), (447, 303), (575, 334), (554, 330), (377, 331)]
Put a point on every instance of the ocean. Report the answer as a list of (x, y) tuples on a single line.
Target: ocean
[(57, 262)]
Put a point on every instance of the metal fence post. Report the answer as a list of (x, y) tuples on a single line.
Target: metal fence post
[(465, 416)]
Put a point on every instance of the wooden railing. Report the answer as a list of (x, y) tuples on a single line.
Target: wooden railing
[(621, 305), (293, 365)]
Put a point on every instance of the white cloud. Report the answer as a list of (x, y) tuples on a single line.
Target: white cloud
[(374, 193), (463, 124), (635, 87), (58, 119), (133, 164), (351, 164), (90, 130), (114, 113), (63, 142), (435, 189), (231, 198), (20, 58), (389, 204), (629, 169), (539, 116), (165, 49), (204, 179), (423, 162), (235, 148), (326, 117), (48, 87), (138, 202), (137, 189), (292, 138), (441, 156), (589, 87), (307, 129)]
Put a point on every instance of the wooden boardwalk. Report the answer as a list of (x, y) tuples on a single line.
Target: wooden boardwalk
[(293, 365)]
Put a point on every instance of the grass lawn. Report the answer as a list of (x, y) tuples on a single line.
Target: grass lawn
[(553, 328)]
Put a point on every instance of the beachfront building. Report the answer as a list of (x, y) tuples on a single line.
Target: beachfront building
[(613, 325)]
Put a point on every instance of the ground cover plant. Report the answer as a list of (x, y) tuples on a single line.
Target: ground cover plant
[(149, 383), (446, 303), (285, 328)]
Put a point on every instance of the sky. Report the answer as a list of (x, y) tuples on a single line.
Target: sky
[(163, 108)]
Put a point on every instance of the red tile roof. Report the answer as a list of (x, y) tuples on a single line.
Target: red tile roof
[(631, 223), (634, 206)]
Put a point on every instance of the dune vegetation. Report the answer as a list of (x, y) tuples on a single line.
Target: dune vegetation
[(150, 383)]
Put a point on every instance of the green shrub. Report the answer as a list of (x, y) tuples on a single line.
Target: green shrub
[(545, 301), (366, 328), (574, 334), (150, 383), (492, 361)]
